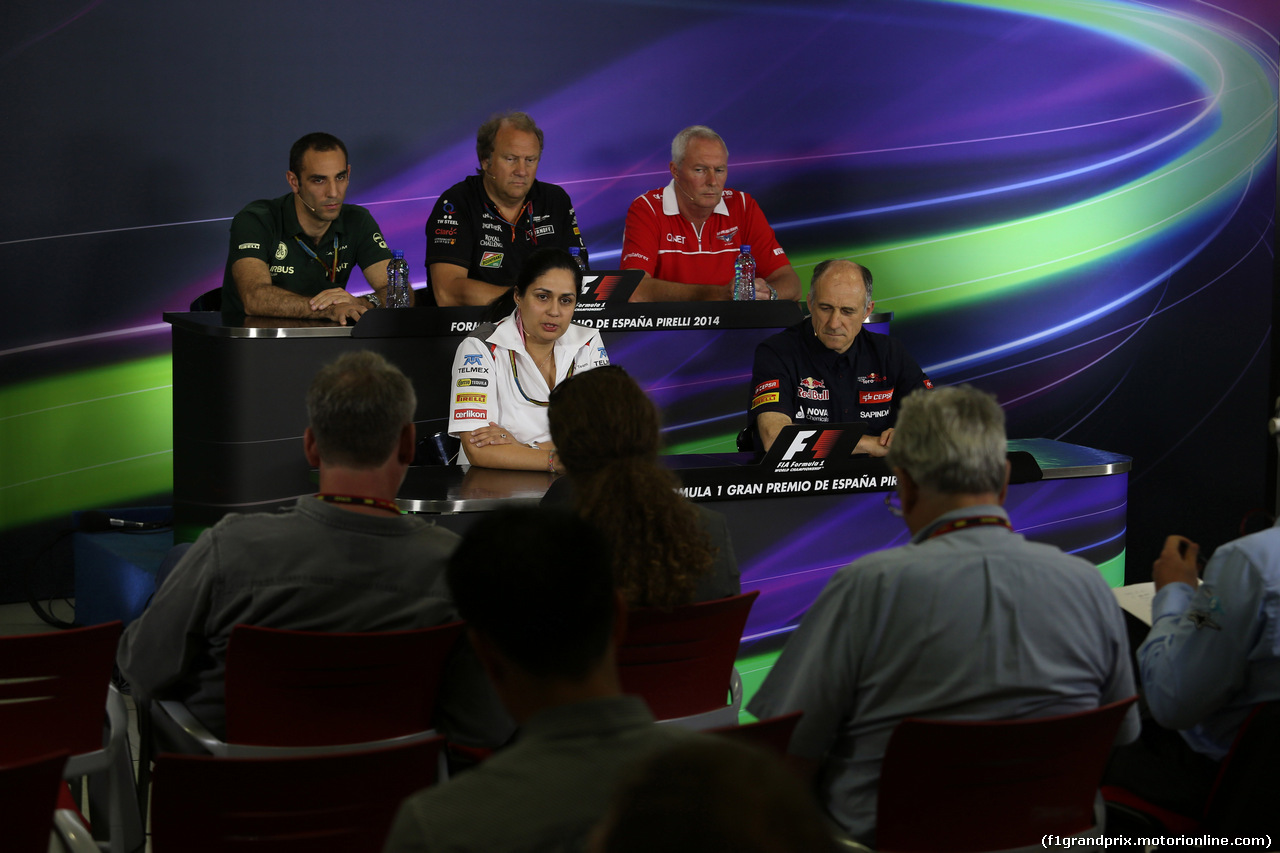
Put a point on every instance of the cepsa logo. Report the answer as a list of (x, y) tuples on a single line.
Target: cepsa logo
[(771, 385), (870, 398)]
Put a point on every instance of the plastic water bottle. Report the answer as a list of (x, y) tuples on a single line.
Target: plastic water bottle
[(398, 281), (579, 257), (744, 276)]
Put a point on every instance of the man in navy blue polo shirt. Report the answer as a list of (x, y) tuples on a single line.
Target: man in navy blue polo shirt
[(828, 369)]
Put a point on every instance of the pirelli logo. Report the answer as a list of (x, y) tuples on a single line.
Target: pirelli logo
[(471, 398), (762, 399)]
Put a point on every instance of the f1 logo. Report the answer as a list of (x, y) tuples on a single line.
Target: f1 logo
[(821, 447), (798, 443)]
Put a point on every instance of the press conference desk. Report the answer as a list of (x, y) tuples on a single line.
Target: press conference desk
[(791, 531), (239, 387)]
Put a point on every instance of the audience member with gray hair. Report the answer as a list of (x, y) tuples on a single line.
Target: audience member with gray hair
[(968, 620), (686, 236), (345, 559)]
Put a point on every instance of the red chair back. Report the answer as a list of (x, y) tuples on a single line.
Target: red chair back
[(990, 785), (680, 661), (307, 688), (335, 803), (53, 688), (28, 795), (772, 734)]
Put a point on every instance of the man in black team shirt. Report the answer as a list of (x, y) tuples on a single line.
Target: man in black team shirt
[(291, 256), (482, 229), (828, 369)]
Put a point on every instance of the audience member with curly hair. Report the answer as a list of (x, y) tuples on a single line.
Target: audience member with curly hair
[(667, 550)]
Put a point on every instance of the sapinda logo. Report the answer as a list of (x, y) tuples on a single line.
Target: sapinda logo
[(818, 448)]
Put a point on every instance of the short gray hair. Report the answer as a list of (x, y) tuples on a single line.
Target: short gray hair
[(951, 440), (697, 131), (357, 406), (824, 266)]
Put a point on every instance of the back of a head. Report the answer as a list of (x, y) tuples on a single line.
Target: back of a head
[(537, 583), (712, 794), (599, 417), (357, 406), (951, 440), (606, 433)]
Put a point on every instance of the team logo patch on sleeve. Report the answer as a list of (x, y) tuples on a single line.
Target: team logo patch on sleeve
[(491, 259), (470, 414), (762, 399), (771, 385), (471, 398)]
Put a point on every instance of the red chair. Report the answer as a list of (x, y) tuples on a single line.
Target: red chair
[(681, 661), (1244, 795), (28, 794), (1002, 784), (334, 803), (310, 692), (772, 734), (53, 691)]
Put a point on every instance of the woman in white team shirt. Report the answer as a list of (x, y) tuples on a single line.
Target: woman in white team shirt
[(504, 371)]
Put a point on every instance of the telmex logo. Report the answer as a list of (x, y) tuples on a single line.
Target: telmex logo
[(471, 358), (868, 398)]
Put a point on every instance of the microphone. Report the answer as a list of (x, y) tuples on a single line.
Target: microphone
[(304, 204)]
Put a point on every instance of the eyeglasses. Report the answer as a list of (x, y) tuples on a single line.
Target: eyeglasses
[(892, 503)]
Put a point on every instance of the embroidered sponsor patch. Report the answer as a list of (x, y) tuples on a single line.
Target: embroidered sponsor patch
[(762, 399), (870, 398), (471, 398), (771, 385), (474, 383), (491, 259), (470, 414)]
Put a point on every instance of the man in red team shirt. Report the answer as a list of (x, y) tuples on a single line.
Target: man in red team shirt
[(687, 235)]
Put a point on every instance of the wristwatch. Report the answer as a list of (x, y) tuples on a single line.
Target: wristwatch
[(374, 300)]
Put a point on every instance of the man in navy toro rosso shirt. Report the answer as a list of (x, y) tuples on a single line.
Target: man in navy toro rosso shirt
[(828, 369)]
